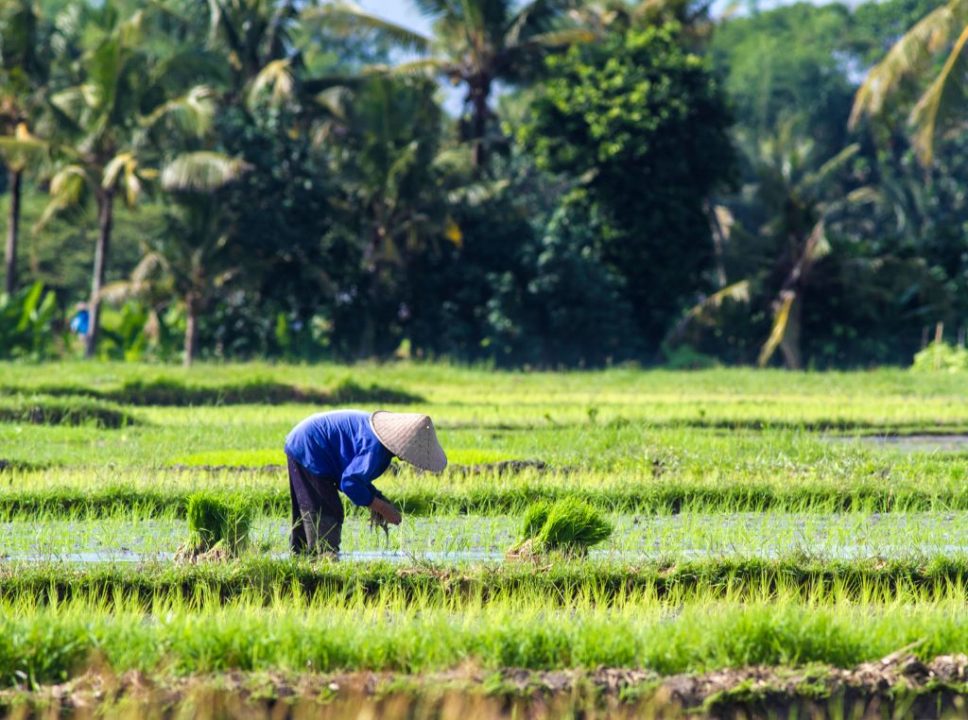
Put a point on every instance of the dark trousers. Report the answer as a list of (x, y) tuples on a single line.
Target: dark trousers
[(317, 511)]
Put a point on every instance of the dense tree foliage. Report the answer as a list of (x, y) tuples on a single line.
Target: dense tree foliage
[(640, 121), (626, 181)]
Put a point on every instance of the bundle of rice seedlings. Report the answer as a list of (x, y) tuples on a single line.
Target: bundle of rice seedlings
[(217, 526), (569, 526), (534, 519)]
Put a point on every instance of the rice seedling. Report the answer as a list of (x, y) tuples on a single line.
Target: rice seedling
[(217, 527), (261, 580), (567, 526)]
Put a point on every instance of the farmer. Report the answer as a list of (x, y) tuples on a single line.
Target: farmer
[(347, 450)]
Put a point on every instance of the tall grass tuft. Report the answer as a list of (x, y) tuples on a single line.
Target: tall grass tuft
[(215, 522)]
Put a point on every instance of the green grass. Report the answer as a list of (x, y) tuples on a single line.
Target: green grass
[(232, 459), (276, 458), (49, 644)]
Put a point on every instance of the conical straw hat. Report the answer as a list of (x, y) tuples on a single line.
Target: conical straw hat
[(411, 437)]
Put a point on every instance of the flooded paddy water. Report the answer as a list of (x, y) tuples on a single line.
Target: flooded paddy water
[(463, 539), (924, 442)]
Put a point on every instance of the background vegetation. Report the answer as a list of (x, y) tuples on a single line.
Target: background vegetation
[(623, 182)]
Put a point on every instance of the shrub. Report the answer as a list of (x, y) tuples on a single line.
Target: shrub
[(941, 356)]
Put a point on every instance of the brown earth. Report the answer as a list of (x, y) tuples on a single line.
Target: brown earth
[(899, 686)]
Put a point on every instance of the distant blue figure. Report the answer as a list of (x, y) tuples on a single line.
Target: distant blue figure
[(81, 320)]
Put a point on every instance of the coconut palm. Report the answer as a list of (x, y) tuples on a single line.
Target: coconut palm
[(479, 43), (799, 193), (23, 71), (190, 258), (19, 152), (912, 58), (106, 124), (388, 161)]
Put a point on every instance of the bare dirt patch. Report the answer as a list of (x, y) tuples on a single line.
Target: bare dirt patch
[(900, 685)]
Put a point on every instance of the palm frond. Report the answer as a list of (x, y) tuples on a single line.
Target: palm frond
[(124, 171), (909, 56), (943, 100), (559, 38), (418, 67), (21, 149), (193, 112), (811, 181), (348, 18), (140, 283), (335, 101), (703, 311), (69, 188), (201, 172), (534, 17), (276, 80)]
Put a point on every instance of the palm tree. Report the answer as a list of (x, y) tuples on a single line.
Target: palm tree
[(483, 42), (911, 59), (388, 161), (23, 72), (191, 257), (106, 122), (19, 151), (798, 192)]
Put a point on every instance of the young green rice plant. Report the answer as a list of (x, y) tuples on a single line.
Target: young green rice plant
[(217, 526), (569, 526)]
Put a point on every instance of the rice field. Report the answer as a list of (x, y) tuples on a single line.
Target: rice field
[(780, 544)]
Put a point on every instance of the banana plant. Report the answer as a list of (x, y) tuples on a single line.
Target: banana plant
[(26, 322)]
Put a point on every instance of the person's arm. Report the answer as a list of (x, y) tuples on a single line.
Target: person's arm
[(356, 485)]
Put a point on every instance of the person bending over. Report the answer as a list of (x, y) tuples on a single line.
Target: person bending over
[(347, 450)]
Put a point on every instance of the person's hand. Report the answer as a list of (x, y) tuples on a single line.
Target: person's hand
[(387, 510)]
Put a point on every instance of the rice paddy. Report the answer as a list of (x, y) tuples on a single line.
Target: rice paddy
[(738, 529)]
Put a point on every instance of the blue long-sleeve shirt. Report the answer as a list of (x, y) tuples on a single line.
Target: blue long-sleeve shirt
[(340, 445)]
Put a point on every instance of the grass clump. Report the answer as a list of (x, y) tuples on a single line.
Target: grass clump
[(170, 392), (217, 525), (570, 526), (41, 410)]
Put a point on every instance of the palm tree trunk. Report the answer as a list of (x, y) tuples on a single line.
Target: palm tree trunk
[(105, 217), (790, 345), (13, 231), (479, 91), (191, 329)]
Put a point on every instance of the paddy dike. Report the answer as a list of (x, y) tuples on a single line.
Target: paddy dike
[(899, 685)]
